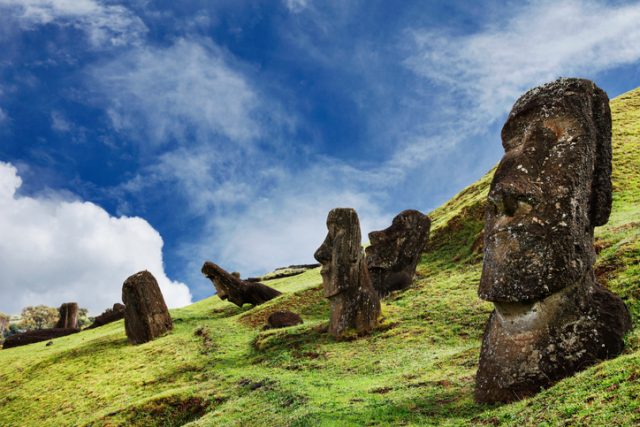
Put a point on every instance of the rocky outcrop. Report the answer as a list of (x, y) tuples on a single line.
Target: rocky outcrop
[(110, 315), (240, 292), (354, 304), (552, 187), (283, 319), (38, 335), (145, 314), (68, 316), (395, 251)]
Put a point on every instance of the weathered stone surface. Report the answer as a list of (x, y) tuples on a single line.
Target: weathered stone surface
[(395, 251), (68, 316), (240, 292), (283, 319), (552, 187), (37, 335), (354, 304), (109, 315), (145, 314)]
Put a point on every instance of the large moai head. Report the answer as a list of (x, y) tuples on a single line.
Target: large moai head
[(341, 252), (394, 252), (354, 303), (145, 313), (552, 187)]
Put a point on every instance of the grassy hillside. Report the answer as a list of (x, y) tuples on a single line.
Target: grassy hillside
[(219, 368)]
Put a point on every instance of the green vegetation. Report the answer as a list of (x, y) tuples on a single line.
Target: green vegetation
[(218, 367)]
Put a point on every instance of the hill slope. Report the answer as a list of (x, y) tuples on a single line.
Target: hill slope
[(219, 368)]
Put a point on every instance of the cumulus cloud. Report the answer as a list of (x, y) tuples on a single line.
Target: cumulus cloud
[(182, 92), (529, 45), (104, 24), (55, 250)]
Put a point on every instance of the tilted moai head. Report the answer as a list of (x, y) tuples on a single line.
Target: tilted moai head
[(552, 187), (230, 287), (354, 303), (395, 251), (145, 313)]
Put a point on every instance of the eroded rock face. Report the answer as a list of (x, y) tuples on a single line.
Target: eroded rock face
[(38, 335), (110, 315), (230, 287), (552, 187), (283, 319), (68, 316), (354, 303), (395, 251), (145, 315)]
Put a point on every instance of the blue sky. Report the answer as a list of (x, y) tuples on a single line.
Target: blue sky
[(159, 134)]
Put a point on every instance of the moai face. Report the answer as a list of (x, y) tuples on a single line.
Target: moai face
[(549, 191), (340, 251)]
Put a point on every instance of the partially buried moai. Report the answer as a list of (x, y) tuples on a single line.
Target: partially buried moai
[(552, 187), (230, 287), (145, 313), (395, 251), (354, 303), (68, 316)]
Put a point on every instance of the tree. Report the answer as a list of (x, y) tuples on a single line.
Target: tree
[(83, 317), (39, 317), (4, 323)]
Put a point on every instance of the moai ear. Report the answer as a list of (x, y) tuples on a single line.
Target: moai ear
[(601, 197)]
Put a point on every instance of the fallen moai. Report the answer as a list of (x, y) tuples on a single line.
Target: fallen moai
[(283, 319), (110, 315), (68, 316), (354, 303), (552, 187), (145, 313), (240, 292), (394, 252), (37, 335)]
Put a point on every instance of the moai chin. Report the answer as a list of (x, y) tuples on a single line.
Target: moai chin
[(354, 303), (68, 316), (395, 251), (145, 313), (552, 187)]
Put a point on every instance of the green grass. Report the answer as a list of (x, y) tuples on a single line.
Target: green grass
[(218, 367)]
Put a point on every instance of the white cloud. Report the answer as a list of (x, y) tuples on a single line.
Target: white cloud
[(55, 250), (59, 122), (104, 24), (183, 92), (3, 115), (537, 42), (296, 6)]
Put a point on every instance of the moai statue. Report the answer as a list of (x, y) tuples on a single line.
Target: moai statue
[(109, 315), (230, 287), (68, 316), (354, 303), (145, 314), (552, 187), (395, 251)]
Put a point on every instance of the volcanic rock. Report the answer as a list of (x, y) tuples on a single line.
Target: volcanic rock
[(109, 315), (145, 314), (283, 319), (37, 335)]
